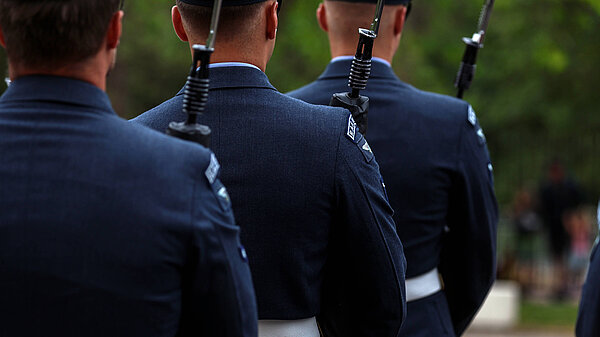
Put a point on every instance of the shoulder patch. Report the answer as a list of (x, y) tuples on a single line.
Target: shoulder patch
[(213, 169), (472, 118), (351, 132)]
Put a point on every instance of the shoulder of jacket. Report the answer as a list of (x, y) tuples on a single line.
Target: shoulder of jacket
[(167, 150), (322, 117), (450, 105), (172, 104)]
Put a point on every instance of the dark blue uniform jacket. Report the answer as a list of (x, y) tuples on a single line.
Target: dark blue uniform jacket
[(109, 228), (310, 202), (588, 320), (436, 167)]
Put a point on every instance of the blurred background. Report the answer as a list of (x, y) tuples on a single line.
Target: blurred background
[(537, 98)]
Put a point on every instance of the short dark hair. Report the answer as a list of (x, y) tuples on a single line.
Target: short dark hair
[(53, 33), (233, 20)]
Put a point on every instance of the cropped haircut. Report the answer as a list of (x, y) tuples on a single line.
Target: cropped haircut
[(233, 20), (54, 33)]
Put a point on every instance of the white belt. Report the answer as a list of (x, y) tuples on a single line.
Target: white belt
[(290, 328), (423, 285)]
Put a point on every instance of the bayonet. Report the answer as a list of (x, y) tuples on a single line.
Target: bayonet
[(195, 95), (377, 18), (484, 17), (466, 71), (214, 23)]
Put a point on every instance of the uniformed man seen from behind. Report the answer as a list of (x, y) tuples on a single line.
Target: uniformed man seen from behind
[(106, 228), (305, 188), (433, 157)]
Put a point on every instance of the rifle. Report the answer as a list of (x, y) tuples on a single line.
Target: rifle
[(466, 71), (195, 96), (360, 71)]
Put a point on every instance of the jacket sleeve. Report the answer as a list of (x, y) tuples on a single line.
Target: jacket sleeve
[(218, 297), (363, 292), (468, 259)]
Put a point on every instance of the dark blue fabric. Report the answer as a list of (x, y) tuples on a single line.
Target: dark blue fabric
[(312, 209), (428, 317), (588, 319), (109, 228), (438, 175)]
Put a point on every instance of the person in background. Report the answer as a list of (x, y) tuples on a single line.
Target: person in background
[(106, 228), (559, 197), (579, 227), (528, 226), (434, 159)]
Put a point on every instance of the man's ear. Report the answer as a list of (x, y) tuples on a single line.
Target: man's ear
[(115, 28), (399, 21), (178, 24), (272, 20), (322, 17)]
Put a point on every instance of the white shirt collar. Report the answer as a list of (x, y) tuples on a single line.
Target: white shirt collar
[(346, 58), (232, 64)]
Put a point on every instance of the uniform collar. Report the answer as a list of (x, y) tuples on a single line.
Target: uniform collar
[(237, 76), (57, 89), (232, 64), (340, 67), (348, 57)]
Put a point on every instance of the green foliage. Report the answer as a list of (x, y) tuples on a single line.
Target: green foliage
[(535, 89), (557, 315), (152, 63)]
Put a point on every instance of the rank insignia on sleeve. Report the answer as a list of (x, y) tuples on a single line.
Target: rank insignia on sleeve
[(365, 149), (243, 253), (224, 198), (222, 193), (351, 133), (472, 117), (384, 189), (213, 169), (481, 136)]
